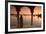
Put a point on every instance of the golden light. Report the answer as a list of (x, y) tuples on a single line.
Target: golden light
[(37, 10), (25, 10)]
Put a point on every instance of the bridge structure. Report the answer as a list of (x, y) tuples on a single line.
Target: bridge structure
[(18, 7)]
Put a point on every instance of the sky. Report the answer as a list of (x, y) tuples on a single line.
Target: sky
[(26, 10)]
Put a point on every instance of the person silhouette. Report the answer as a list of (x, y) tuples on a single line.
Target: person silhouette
[(21, 21)]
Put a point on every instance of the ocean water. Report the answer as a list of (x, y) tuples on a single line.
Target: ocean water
[(26, 22)]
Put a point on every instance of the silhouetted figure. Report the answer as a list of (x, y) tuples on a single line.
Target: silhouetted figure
[(21, 21)]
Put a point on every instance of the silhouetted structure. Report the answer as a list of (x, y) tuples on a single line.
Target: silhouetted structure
[(21, 21), (32, 10), (39, 15), (18, 9)]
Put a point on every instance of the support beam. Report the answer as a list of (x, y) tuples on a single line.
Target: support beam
[(18, 9), (32, 10)]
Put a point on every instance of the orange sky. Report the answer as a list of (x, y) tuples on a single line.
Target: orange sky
[(37, 10), (26, 10)]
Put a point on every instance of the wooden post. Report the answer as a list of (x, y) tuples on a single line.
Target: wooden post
[(18, 19), (18, 9), (21, 21), (32, 17), (32, 10)]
